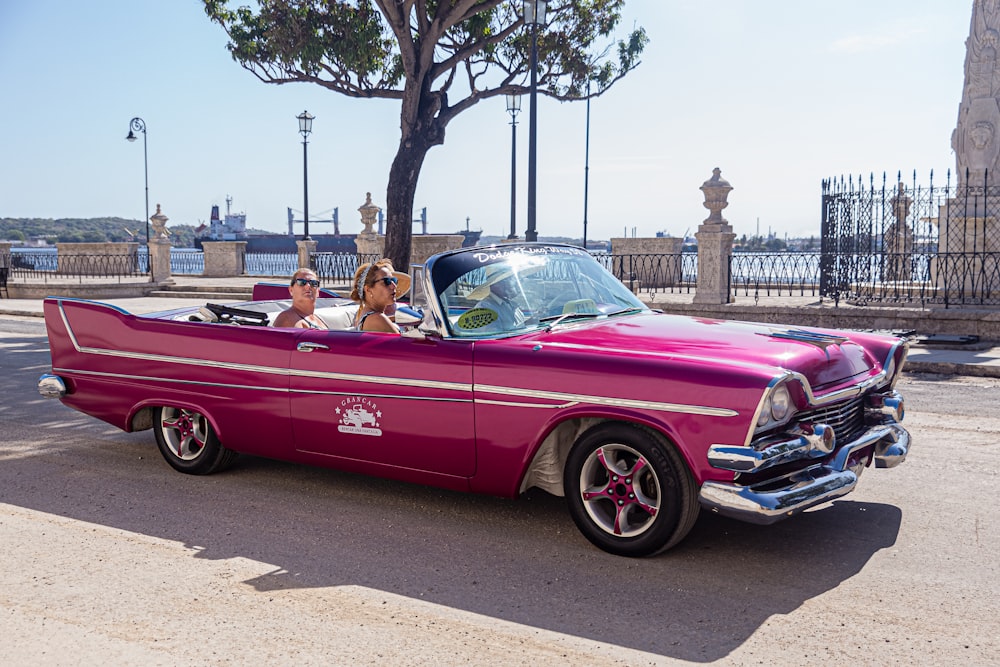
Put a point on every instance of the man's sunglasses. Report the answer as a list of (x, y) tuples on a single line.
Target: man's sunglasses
[(302, 282), (387, 281)]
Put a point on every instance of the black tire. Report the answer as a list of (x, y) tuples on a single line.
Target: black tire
[(629, 492), (188, 442)]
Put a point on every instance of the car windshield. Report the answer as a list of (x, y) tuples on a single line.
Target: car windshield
[(509, 290)]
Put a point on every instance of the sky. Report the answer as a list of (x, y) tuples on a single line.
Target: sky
[(778, 94)]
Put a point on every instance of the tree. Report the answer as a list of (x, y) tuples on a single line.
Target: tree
[(437, 57)]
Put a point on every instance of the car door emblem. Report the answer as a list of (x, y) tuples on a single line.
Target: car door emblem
[(359, 415)]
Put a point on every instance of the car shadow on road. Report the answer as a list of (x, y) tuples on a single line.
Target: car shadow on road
[(521, 560)]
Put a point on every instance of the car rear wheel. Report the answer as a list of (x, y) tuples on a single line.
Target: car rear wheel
[(629, 492), (188, 442)]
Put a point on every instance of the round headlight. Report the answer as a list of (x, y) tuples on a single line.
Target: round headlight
[(765, 412), (781, 403)]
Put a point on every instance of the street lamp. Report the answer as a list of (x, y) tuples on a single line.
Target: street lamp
[(586, 168), (139, 125), (513, 106), (534, 14), (305, 127)]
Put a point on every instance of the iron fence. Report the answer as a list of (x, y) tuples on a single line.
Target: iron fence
[(910, 243), (34, 266), (759, 274), (270, 263), (653, 273), (338, 266), (187, 262)]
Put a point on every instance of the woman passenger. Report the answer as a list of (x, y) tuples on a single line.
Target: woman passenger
[(376, 287)]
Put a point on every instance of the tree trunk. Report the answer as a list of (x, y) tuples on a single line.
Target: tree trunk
[(403, 177)]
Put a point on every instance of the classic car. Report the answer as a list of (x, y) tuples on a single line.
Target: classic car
[(518, 366)]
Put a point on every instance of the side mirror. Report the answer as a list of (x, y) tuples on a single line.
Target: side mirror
[(407, 317), (413, 324)]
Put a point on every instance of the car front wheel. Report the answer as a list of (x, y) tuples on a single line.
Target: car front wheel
[(188, 442), (629, 492)]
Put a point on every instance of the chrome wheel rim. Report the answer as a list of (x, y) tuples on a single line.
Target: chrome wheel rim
[(185, 432), (620, 490)]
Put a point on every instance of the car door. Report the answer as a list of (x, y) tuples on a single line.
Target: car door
[(378, 399)]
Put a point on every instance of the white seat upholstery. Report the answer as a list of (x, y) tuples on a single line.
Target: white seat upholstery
[(338, 317)]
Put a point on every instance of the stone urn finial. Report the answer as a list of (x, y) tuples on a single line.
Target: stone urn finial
[(159, 222), (716, 191), (369, 214)]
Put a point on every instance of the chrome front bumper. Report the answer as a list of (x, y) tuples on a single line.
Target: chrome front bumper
[(778, 498)]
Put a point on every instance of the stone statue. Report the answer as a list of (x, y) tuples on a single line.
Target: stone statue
[(976, 139)]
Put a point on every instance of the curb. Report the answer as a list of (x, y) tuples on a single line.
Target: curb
[(22, 313), (950, 368)]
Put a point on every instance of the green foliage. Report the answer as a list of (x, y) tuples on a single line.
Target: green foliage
[(89, 230), (437, 57), (370, 48)]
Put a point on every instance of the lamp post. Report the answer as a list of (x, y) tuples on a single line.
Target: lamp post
[(534, 14), (305, 127), (139, 125), (586, 167), (513, 106)]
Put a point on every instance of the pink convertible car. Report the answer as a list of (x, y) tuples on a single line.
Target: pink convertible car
[(519, 366)]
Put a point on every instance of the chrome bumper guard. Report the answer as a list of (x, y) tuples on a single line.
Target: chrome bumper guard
[(51, 386), (777, 498)]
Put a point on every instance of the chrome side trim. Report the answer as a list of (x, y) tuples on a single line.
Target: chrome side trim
[(381, 379), (514, 404), (603, 400), (148, 378), (283, 390)]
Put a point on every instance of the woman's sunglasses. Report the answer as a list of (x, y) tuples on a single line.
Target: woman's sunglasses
[(302, 282), (388, 280)]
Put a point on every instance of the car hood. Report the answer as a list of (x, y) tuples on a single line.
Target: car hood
[(824, 357)]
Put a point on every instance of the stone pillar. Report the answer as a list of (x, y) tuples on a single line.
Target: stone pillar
[(422, 246), (966, 226), (159, 260), (976, 138), (224, 259), (368, 241), (5, 268), (159, 249), (305, 250), (647, 263), (715, 244)]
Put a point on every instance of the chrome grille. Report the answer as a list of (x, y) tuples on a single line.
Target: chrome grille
[(847, 419)]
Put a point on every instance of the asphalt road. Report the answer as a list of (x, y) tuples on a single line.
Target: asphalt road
[(108, 556)]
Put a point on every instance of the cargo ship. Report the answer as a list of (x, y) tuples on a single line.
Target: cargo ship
[(233, 227)]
